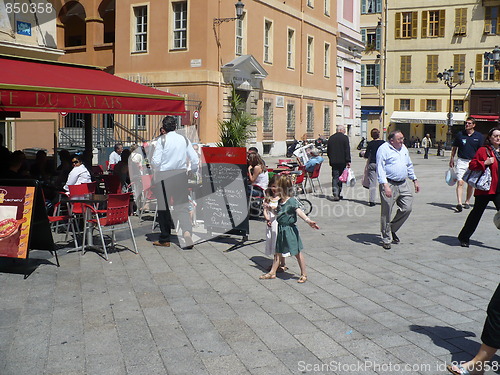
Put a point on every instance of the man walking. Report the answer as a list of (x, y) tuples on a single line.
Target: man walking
[(339, 154), (426, 144), (169, 162), (466, 142), (394, 167)]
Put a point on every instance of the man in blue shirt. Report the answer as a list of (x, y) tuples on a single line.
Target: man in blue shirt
[(467, 142), (314, 160), (394, 167)]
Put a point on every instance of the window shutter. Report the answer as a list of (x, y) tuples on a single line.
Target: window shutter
[(487, 20), (363, 35), (408, 68), (497, 75), (362, 75), (498, 23), (412, 104), (378, 38), (438, 105), (442, 14), (402, 69), (397, 105), (414, 24), (425, 15), (377, 74), (363, 6), (378, 6), (429, 68), (422, 105), (458, 18), (456, 63), (463, 24), (397, 31), (479, 67)]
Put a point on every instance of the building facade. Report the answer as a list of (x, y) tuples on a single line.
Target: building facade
[(373, 24), (280, 56), (349, 49), (28, 29), (424, 39)]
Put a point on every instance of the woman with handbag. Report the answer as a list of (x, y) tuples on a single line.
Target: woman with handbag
[(487, 156)]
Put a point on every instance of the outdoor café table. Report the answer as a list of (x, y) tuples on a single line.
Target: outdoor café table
[(96, 200)]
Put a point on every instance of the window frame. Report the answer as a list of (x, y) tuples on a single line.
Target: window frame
[(327, 120), (310, 117), (239, 35), (140, 122), (290, 117), (405, 107), (267, 116), (310, 54), (327, 60), (268, 42), (179, 32), (290, 52), (143, 33)]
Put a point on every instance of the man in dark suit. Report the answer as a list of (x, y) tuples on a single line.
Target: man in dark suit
[(339, 154)]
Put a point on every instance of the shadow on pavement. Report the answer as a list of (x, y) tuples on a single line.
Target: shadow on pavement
[(23, 267), (453, 241), (264, 264), (365, 238), (447, 206), (455, 341)]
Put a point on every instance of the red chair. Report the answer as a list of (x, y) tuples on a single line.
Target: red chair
[(299, 178), (147, 195), (116, 218), (59, 219), (82, 189), (314, 175), (112, 184)]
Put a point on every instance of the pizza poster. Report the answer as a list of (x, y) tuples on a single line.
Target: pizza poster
[(16, 210)]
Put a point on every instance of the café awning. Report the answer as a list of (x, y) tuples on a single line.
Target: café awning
[(47, 86), (409, 117), (485, 117)]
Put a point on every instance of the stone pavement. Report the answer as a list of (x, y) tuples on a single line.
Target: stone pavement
[(364, 310)]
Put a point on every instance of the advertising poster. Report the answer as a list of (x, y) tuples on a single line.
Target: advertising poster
[(16, 211)]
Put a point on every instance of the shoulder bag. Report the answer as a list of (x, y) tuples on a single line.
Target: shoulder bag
[(479, 179)]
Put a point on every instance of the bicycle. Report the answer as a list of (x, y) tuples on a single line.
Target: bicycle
[(298, 180)]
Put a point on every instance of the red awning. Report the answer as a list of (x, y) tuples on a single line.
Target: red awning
[(45, 86), (485, 117)]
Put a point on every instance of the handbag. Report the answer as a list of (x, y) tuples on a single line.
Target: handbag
[(480, 180), (451, 177), (345, 174)]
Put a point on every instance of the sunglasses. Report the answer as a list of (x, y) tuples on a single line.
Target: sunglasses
[(75, 161)]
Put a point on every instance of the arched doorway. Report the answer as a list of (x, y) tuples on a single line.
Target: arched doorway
[(72, 16)]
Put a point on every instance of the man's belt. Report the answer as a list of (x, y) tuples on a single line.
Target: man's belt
[(395, 182)]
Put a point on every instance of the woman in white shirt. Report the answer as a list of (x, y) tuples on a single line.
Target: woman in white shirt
[(257, 173), (79, 174)]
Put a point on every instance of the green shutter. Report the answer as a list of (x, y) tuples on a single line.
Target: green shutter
[(378, 6), (362, 75), (397, 30), (378, 38), (363, 36), (442, 14), (363, 6), (425, 16), (377, 74), (479, 67)]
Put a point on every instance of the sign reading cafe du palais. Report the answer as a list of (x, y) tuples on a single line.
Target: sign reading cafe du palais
[(52, 101)]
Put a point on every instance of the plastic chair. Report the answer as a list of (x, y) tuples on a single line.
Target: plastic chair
[(57, 219), (112, 184), (147, 195), (314, 175), (116, 218), (300, 177)]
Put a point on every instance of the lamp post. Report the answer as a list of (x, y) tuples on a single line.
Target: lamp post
[(448, 76), (239, 13), (494, 57)]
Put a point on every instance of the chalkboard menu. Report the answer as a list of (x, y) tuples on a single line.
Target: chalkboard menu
[(24, 224), (224, 201)]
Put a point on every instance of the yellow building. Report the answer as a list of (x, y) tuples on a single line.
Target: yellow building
[(279, 55), (424, 39)]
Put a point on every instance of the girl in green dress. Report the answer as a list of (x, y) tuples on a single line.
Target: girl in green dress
[(288, 240)]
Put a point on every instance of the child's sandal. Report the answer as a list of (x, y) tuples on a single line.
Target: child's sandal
[(267, 276), (302, 279)]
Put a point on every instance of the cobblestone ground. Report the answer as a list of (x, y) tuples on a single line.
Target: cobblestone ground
[(364, 310)]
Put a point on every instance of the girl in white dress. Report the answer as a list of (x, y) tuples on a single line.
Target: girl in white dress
[(271, 200)]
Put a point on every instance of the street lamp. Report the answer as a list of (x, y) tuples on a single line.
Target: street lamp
[(448, 76), (239, 13), (494, 57)]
